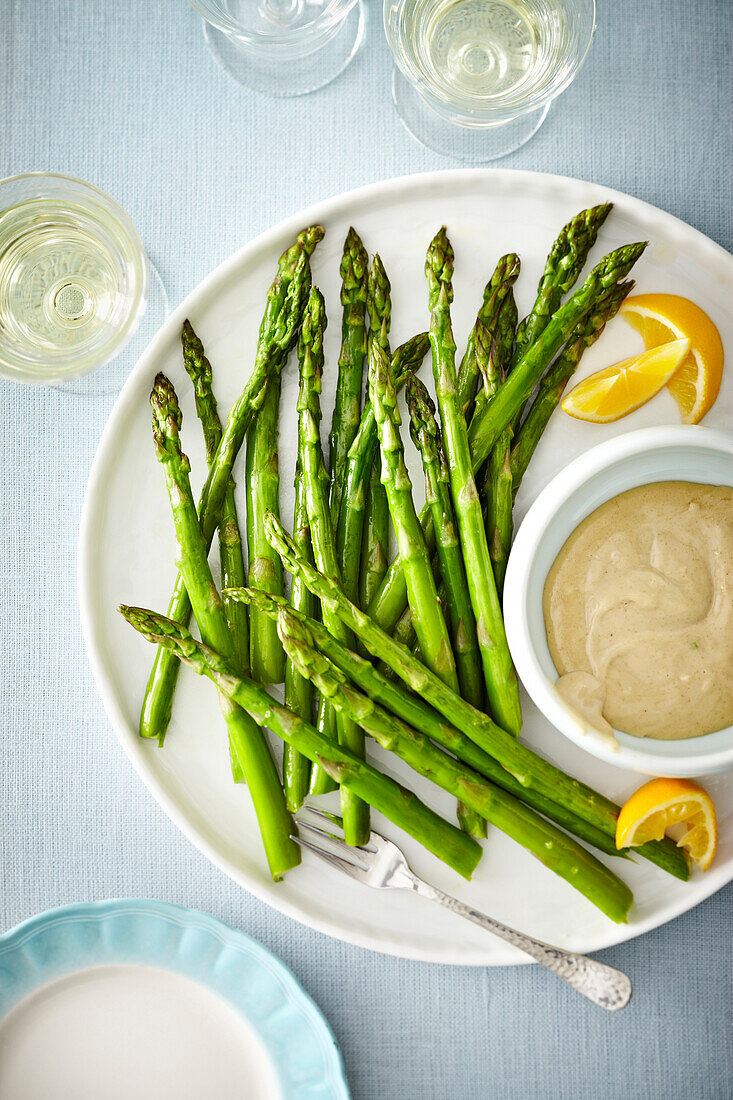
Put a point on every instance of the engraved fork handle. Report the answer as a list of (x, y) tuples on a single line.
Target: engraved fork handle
[(604, 985)]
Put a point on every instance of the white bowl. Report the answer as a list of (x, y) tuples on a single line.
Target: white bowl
[(681, 453)]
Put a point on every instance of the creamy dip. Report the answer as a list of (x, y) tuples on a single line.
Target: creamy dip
[(639, 612)]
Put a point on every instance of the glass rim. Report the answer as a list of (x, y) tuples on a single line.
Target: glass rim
[(25, 371), (322, 27), (477, 117)]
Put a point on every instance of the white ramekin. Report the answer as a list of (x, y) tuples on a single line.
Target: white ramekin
[(697, 454)]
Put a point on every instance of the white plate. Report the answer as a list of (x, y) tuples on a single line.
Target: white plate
[(126, 551)]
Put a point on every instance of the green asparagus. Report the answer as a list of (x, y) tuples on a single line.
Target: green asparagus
[(427, 438), (298, 690), (427, 617), (399, 805), (552, 386), (315, 486), (347, 404), (502, 688), (554, 849), (359, 461), (495, 292), (262, 482), (246, 739), (278, 332), (564, 264), (486, 428), (530, 770), (233, 571), (413, 710)]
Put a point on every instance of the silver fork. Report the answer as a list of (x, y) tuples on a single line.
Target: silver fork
[(381, 864)]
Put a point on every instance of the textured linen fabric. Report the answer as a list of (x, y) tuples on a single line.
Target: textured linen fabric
[(126, 95)]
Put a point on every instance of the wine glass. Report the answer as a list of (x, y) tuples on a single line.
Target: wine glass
[(474, 79), (282, 47), (73, 278)]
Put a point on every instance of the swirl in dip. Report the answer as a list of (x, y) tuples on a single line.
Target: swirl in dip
[(638, 611)]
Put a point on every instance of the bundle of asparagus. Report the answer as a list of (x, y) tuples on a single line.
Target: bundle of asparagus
[(447, 702)]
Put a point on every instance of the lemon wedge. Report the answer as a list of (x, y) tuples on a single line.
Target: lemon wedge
[(664, 803), (661, 318), (616, 391)]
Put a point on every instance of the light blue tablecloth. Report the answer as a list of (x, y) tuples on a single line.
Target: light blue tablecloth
[(126, 95)]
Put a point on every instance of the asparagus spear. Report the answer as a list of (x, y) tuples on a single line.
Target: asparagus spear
[(495, 293), (262, 481), (401, 806), (529, 769), (347, 406), (278, 331), (427, 617), (498, 497), (417, 713), (359, 462), (554, 849), (564, 264), (375, 539), (315, 486), (501, 682), (298, 690), (233, 572), (427, 438), (553, 384), (486, 428), (249, 745)]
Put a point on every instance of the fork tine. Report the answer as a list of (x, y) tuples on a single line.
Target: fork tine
[(345, 851), (369, 847), (333, 818), (328, 857)]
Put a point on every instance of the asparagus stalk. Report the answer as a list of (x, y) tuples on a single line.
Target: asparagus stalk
[(502, 688), (487, 423), (552, 386), (298, 690), (533, 772), (315, 484), (554, 849), (347, 405), (427, 617), (417, 713), (495, 293), (375, 542), (375, 539), (399, 805), (564, 264), (233, 572), (278, 331), (427, 438), (249, 745), (498, 496), (359, 461), (262, 480), (486, 427)]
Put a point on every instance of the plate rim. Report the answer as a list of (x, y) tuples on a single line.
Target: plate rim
[(496, 180), (187, 919)]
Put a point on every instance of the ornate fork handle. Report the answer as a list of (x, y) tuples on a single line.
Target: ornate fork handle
[(604, 985)]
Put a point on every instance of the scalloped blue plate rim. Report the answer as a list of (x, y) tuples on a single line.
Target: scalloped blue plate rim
[(285, 1019)]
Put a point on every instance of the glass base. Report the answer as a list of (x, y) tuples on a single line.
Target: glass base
[(109, 379), (462, 143), (264, 72)]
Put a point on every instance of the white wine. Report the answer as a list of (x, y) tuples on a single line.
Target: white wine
[(72, 281), (481, 53)]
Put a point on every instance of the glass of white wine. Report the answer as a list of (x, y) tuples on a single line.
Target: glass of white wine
[(282, 47), (73, 278), (474, 79)]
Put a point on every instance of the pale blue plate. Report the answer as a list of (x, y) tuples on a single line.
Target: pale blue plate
[(301, 1048)]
